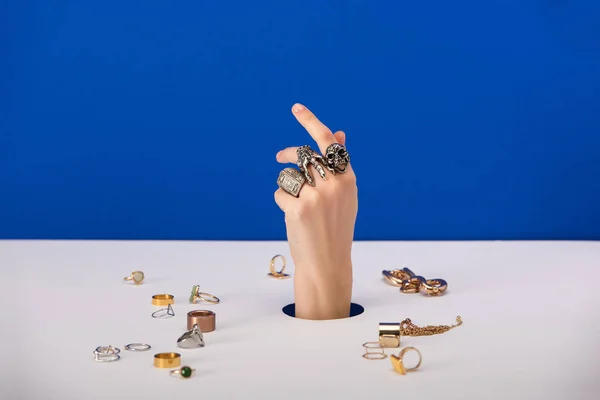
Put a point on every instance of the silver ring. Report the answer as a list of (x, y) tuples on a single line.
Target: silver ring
[(336, 158), (137, 347), (291, 181), (107, 357), (106, 350), (164, 313), (192, 339), (306, 158)]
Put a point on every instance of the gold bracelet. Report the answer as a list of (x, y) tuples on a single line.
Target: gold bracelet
[(162, 299), (167, 360)]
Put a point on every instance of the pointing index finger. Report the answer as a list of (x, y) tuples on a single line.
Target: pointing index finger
[(317, 130)]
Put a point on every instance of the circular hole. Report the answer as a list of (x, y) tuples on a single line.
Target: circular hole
[(355, 309)]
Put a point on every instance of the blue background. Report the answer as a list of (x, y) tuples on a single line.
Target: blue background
[(161, 119)]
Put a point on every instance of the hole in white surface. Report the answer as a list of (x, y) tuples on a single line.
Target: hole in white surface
[(355, 309)]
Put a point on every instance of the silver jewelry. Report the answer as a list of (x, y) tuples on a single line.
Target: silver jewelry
[(291, 181), (192, 339), (336, 158), (106, 350), (137, 347), (307, 157), (164, 313), (106, 357)]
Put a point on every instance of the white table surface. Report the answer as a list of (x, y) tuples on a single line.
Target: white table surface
[(531, 329)]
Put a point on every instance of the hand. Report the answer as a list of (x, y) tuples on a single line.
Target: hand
[(320, 230)]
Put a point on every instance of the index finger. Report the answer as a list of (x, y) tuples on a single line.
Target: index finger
[(317, 130)]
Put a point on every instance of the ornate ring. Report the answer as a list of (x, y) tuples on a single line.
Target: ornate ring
[(192, 339), (167, 360), (162, 299), (106, 350), (370, 354), (398, 363), (164, 313), (183, 372), (205, 319), (336, 158), (291, 181), (206, 297), (274, 273), (389, 334), (137, 347), (306, 158), (136, 276)]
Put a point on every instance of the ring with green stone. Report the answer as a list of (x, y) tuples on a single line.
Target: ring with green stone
[(183, 372), (196, 294)]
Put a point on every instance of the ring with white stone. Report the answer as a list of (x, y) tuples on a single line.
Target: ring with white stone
[(136, 277), (137, 347)]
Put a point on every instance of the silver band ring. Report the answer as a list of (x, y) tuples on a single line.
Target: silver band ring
[(107, 357), (137, 347), (308, 157), (291, 180)]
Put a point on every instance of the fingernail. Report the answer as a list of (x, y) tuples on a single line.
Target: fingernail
[(297, 108)]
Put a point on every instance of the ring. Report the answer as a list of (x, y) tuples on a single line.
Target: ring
[(373, 355), (167, 360), (106, 357), (336, 158), (389, 334), (136, 276), (183, 372), (274, 273), (163, 299), (434, 287), (307, 157), (137, 347), (205, 319), (396, 276), (106, 350), (164, 313), (291, 181), (206, 297), (398, 363), (192, 339)]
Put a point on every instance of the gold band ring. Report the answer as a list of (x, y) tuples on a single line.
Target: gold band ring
[(196, 294), (274, 273), (389, 334), (162, 299), (136, 277), (398, 362), (167, 360)]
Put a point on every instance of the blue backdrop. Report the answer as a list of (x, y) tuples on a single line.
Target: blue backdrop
[(161, 119)]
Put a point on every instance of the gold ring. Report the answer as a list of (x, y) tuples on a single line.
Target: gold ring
[(163, 299), (196, 294), (136, 276), (434, 287), (167, 360), (373, 355), (398, 363), (274, 273), (183, 372), (389, 334), (395, 277)]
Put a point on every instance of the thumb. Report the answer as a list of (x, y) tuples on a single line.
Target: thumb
[(340, 137)]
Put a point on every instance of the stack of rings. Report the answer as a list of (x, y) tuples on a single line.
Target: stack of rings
[(336, 161), (107, 354)]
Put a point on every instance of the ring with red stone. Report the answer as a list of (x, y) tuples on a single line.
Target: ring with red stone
[(136, 277), (183, 372)]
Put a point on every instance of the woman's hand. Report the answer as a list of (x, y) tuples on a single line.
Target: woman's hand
[(320, 229)]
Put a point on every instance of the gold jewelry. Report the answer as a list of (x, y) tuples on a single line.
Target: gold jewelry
[(160, 300), (205, 319), (167, 360), (407, 328), (274, 273), (136, 276), (398, 362), (389, 334), (183, 372), (373, 351), (411, 283), (206, 297)]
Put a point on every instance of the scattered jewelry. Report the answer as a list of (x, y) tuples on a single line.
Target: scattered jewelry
[(374, 351), (183, 372), (277, 274), (398, 362), (196, 294), (138, 346), (205, 319), (192, 339), (167, 360), (389, 334), (164, 313), (411, 283), (160, 300), (136, 276)]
